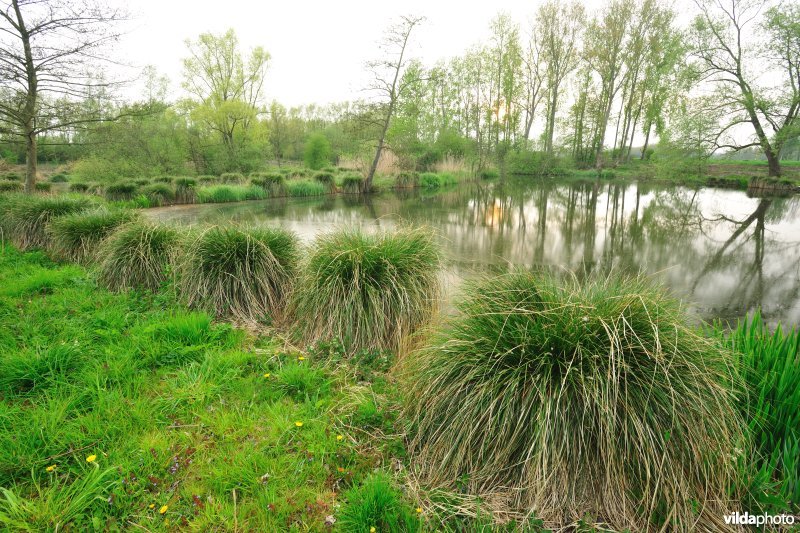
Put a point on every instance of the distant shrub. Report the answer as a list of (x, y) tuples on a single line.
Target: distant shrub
[(77, 186), (353, 184), (245, 273), (121, 191), (304, 188), (43, 186), (536, 378), (158, 194), (76, 237), (136, 256), (367, 291), (59, 178), (317, 152)]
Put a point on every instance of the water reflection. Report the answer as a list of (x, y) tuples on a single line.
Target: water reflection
[(727, 252)]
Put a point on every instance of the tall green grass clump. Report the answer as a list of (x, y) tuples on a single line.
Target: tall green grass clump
[(76, 237), (185, 190), (121, 191), (230, 193), (353, 184), (407, 180), (137, 256), (78, 187), (377, 505), (326, 179), (10, 186), (572, 399), (368, 291), (25, 218), (275, 184), (158, 194), (232, 177), (244, 273), (432, 180), (770, 366), (305, 188)]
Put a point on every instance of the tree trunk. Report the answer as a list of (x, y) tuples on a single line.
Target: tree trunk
[(374, 166), (774, 164), (30, 102), (30, 168)]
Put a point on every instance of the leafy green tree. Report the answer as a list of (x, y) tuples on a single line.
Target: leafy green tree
[(317, 152)]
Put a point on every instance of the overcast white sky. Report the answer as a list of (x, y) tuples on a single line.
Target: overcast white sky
[(318, 47)]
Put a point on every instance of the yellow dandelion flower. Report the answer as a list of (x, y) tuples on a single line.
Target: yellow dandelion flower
[(372, 529), (419, 510), (301, 358), (298, 424), (339, 437), (266, 375), (163, 509), (152, 506), (50, 468), (92, 458)]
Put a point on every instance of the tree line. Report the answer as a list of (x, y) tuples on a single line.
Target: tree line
[(570, 86)]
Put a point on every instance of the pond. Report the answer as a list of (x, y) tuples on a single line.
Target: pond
[(723, 252)]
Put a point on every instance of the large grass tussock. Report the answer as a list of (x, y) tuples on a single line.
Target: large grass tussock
[(25, 218), (76, 237), (572, 399), (137, 256), (368, 291), (239, 272)]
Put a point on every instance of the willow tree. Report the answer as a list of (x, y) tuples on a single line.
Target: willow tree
[(226, 88), (754, 70), (49, 58)]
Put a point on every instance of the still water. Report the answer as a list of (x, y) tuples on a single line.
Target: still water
[(723, 252)]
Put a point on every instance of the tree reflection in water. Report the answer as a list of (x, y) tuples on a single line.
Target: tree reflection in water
[(721, 249)]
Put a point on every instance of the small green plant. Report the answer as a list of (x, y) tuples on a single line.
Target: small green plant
[(537, 378), (136, 256), (368, 291), (376, 505), (77, 236), (245, 273), (317, 152)]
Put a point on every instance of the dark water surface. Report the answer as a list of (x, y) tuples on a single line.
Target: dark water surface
[(721, 250)]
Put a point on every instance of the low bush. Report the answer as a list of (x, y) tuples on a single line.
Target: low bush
[(136, 256), (77, 236), (25, 218), (244, 273), (305, 188), (368, 291), (576, 398), (59, 178)]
